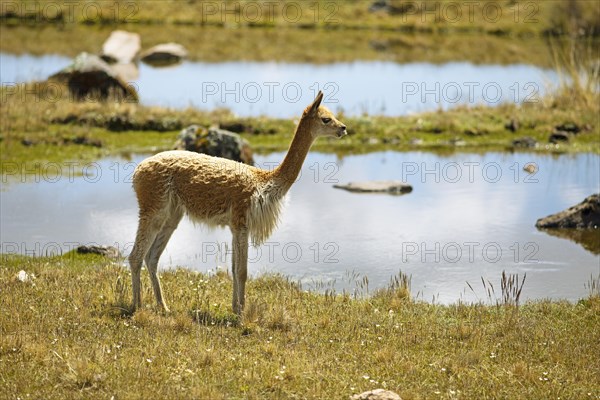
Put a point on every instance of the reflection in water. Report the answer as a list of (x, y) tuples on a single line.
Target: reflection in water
[(589, 239), (468, 216), (277, 89)]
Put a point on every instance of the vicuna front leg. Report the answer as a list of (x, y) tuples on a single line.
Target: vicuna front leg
[(153, 255), (239, 264)]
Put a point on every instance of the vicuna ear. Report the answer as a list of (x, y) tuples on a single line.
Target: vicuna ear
[(315, 105)]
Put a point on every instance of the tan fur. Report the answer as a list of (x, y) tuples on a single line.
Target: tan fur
[(217, 192)]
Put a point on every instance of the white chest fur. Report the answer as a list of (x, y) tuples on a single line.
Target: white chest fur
[(265, 207)]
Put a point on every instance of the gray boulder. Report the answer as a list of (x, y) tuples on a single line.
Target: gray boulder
[(215, 142), (377, 394), (121, 47), (164, 54), (526, 142), (569, 127), (90, 76), (585, 215), (559, 137), (106, 251), (390, 187)]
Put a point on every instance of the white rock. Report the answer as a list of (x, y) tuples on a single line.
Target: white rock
[(121, 47), (23, 276)]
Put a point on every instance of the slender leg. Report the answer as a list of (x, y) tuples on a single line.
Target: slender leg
[(157, 248), (234, 275), (147, 230), (240, 271)]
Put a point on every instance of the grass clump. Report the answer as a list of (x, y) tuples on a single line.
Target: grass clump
[(63, 335)]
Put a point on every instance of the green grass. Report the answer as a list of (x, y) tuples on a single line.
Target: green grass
[(494, 17), (68, 334), (36, 132)]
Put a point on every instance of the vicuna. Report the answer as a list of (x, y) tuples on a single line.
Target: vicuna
[(217, 192)]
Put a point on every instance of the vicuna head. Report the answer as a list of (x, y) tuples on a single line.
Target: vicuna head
[(321, 121)]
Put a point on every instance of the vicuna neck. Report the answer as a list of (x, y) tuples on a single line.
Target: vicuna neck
[(286, 173)]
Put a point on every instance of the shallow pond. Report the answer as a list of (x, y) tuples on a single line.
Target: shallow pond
[(283, 89), (469, 216)]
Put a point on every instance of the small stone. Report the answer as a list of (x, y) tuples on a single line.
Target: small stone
[(457, 142), (559, 137), (525, 142), (569, 127), (391, 187), (377, 394), (23, 276), (164, 54), (530, 167)]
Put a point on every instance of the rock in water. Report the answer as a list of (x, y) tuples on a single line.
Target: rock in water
[(585, 215), (377, 394), (164, 54), (215, 142), (391, 187), (530, 167), (121, 47), (89, 76)]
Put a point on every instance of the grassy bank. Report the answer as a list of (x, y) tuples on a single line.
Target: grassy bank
[(533, 17), (35, 131), (496, 32), (66, 333), (212, 44)]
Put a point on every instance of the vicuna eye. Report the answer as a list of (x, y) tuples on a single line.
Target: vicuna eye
[(326, 120)]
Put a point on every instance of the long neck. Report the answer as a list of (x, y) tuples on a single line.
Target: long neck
[(287, 172)]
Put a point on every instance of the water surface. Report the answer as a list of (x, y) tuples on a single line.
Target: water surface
[(283, 89), (469, 216)]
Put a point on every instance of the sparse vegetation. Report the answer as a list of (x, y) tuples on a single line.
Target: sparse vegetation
[(577, 62), (66, 332), (37, 131)]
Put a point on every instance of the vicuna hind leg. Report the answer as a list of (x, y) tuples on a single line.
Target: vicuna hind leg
[(157, 248), (148, 228)]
